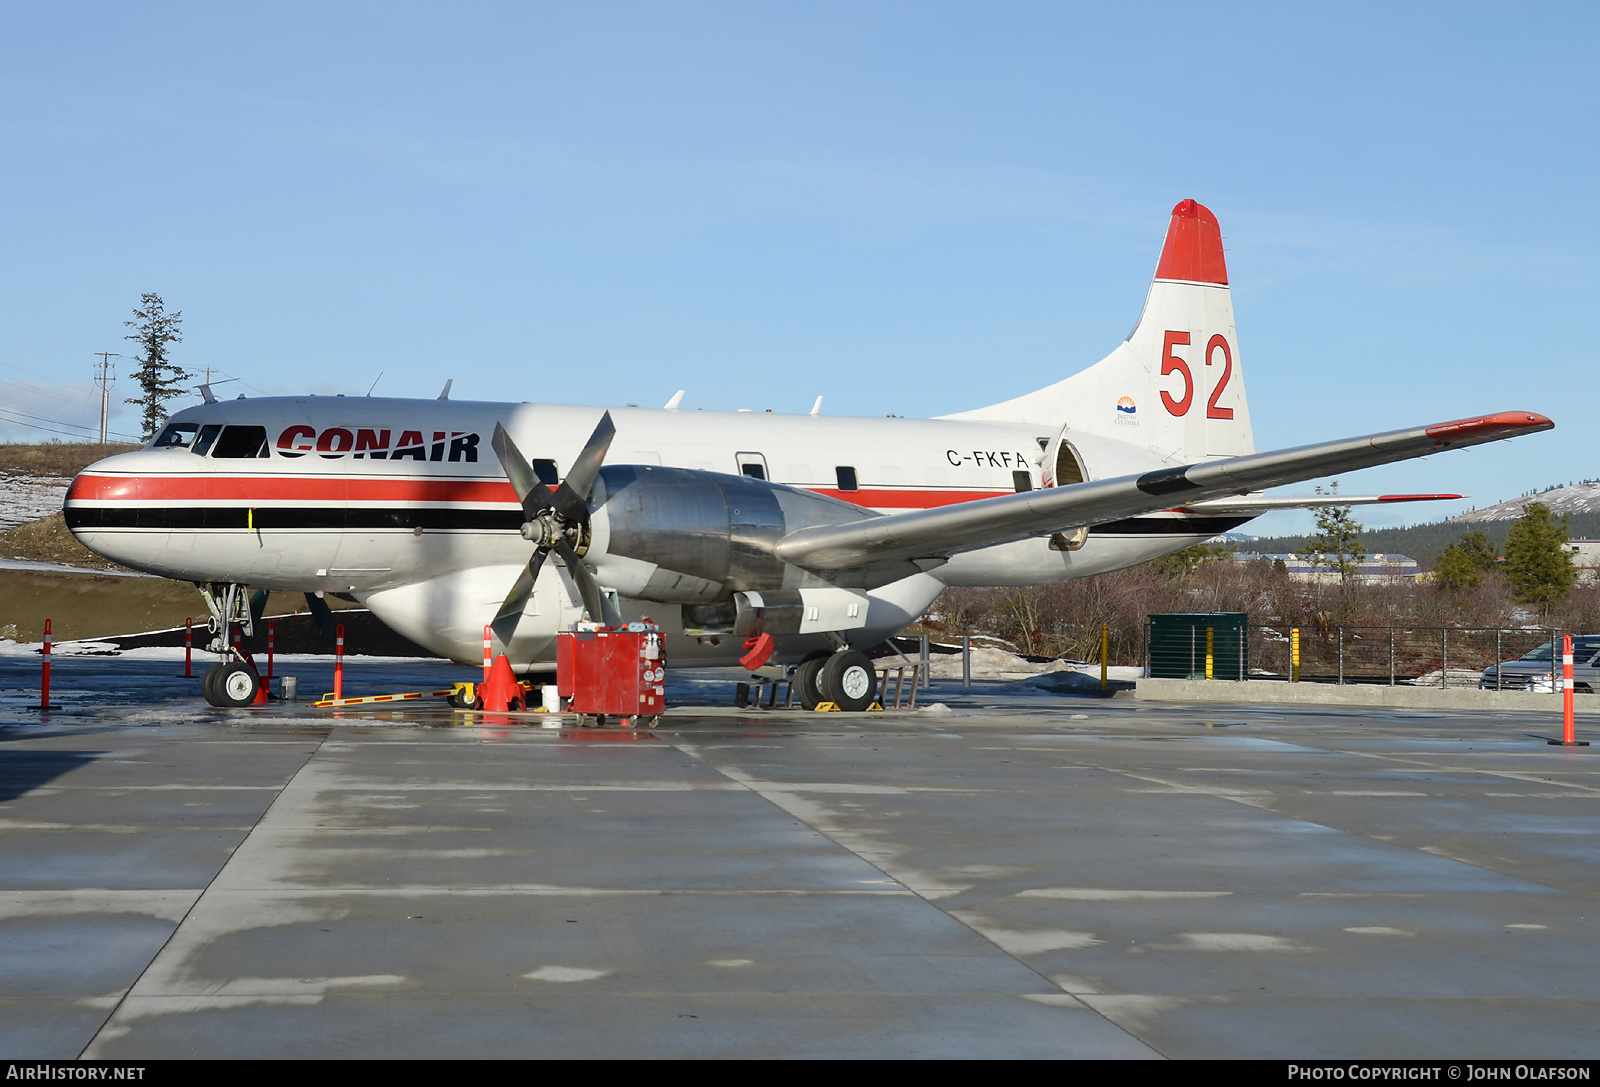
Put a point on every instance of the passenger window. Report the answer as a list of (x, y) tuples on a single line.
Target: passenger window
[(178, 435), (847, 478), (1021, 481), (547, 472), (208, 434), (241, 443)]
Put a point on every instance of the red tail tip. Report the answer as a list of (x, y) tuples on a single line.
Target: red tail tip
[(1193, 250)]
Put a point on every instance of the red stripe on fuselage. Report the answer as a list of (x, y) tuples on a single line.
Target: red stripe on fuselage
[(246, 489), (91, 487), (891, 498)]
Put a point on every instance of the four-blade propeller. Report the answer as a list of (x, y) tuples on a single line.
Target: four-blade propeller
[(557, 520)]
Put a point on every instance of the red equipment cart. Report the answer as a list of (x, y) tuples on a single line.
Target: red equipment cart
[(612, 673)]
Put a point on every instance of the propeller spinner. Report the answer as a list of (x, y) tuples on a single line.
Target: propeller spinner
[(557, 521)]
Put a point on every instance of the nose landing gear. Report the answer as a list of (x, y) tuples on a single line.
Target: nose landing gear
[(233, 681), (230, 684)]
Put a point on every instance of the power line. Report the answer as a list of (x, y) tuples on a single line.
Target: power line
[(47, 390), (19, 416)]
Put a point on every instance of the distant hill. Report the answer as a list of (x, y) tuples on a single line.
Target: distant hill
[(1425, 543), (1575, 498), (1578, 502), (53, 460)]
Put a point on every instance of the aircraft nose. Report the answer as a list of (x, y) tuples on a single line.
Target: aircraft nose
[(98, 486)]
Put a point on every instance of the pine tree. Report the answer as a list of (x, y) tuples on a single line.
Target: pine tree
[(1456, 570), (159, 378), (1477, 547), (1465, 562), (1538, 566), (1180, 564), (1337, 543)]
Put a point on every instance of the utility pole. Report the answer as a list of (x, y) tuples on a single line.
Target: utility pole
[(103, 377)]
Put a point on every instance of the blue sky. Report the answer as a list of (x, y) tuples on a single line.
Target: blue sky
[(908, 208)]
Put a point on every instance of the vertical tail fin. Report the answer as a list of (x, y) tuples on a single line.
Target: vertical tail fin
[(1176, 385)]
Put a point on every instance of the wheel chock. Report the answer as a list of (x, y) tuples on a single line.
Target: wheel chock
[(876, 707), (828, 707)]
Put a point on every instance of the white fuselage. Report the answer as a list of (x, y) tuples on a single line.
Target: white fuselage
[(403, 505)]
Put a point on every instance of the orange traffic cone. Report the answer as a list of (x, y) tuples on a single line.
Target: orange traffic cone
[(501, 691)]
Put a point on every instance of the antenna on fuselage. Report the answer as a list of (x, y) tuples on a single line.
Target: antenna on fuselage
[(677, 398), (374, 384), (205, 390), (816, 409), (444, 394)]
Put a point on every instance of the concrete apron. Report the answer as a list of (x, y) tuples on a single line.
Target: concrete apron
[(1331, 694)]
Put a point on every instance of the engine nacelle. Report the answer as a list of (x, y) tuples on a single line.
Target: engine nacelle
[(683, 536)]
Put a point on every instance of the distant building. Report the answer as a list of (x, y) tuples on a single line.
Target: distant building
[(1585, 558), (1372, 570)]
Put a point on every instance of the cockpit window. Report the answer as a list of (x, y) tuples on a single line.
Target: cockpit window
[(208, 434), (240, 442), (176, 435)]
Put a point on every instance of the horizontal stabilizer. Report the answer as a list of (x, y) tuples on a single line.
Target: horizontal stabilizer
[(1251, 505)]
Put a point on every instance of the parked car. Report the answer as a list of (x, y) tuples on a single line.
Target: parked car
[(1540, 669)]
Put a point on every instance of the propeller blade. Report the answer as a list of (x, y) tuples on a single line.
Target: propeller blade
[(574, 490), (531, 491), (504, 624), (594, 598)]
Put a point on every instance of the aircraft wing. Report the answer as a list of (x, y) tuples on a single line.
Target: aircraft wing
[(939, 532), (1252, 505)]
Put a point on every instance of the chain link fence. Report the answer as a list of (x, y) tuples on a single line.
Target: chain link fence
[(1211, 646), (1416, 656)]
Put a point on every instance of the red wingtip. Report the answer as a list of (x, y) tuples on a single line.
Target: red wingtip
[(1194, 246), (1505, 422)]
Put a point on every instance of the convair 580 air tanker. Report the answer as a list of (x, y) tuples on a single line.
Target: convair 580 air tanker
[(829, 534)]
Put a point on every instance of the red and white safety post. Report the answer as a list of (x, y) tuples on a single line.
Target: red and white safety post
[(1569, 736), (44, 678), (488, 653), (271, 640), (338, 662), (188, 648)]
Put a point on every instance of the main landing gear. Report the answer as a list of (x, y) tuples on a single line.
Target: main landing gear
[(233, 681), (845, 678)]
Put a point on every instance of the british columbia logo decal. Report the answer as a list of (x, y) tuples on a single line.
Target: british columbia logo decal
[(1126, 412)]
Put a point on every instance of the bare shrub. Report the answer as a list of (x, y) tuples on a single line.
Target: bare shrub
[(1065, 619)]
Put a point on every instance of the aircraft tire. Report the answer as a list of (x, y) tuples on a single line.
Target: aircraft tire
[(849, 680), (236, 685), (208, 684), (806, 674)]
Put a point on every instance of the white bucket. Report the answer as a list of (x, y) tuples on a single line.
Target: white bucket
[(549, 698)]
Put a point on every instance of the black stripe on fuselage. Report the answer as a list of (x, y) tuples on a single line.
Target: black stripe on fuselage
[(1168, 526), (479, 520), (300, 517)]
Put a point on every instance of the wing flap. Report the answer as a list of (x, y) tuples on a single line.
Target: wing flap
[(945, 530)]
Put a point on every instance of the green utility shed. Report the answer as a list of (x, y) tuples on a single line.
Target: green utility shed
[(1176, 645)]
